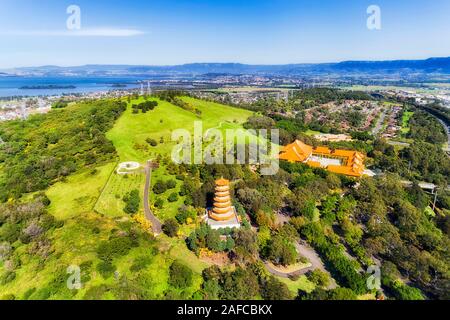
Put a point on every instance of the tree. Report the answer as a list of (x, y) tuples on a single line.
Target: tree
[(185, 213), (173, 197), (106, 269), (132, 202), (246, 245), (180, 276), (342, 294), (151, 142), (281, 251), (274, 289), (171, 184), (159, 187), (241, 284), (159, 203), (319, 278), (170, 227)]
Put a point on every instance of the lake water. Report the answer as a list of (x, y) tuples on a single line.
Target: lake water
[(10, 86)]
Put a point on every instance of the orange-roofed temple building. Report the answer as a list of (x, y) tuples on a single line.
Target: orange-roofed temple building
[(350, 163), (223, 214)]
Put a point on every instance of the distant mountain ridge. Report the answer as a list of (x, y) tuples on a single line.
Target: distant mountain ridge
[(428, 66)]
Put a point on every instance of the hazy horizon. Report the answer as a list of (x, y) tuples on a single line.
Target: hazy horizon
[(263, 32), (217, 62)]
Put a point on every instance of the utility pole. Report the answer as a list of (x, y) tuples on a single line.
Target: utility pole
[(435, 198)]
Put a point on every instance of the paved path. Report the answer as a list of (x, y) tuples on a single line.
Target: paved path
[(398, 143), (156, 224), (380, 123), (305, 251), (310, 254), (447, 130), (286, 274)]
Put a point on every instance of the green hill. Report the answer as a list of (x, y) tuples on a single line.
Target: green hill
[(87, 205)]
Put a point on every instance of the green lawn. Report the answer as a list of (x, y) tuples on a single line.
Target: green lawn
[(111, 200), (129, 137), (79, 193), (302, 283), (310, 132), (405, 122), (91, 206), (131, 130)]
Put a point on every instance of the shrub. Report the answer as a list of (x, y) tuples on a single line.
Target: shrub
[(170, 227), (173, 197), (9, 232), (184, 213), (319, 278), (140, 263), (152, 142), (159, 203), (159, 187), (106, 269), (7, 277), (180, 276), (171, 184), (113, 248), (274, 289), (132, 201), (28, 293)]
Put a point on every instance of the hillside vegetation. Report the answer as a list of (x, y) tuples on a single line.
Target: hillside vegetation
[(63, 202)]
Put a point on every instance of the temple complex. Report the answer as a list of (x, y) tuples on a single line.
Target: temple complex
[(223, 214), (350, 163)]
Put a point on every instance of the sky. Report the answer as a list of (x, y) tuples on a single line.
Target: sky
[(171, 32)]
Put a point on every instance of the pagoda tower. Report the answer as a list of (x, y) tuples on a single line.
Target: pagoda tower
[(222, 210), (223, 214)]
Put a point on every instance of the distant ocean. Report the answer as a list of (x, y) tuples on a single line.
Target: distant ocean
[(10, 86)]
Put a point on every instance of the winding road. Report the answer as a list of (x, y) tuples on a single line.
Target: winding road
[(306, 251), (379, 124), (156, 224)]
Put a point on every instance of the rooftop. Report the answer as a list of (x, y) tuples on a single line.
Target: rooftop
[(347, 162)]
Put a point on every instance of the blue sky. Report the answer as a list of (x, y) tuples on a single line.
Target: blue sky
[(167, 32)]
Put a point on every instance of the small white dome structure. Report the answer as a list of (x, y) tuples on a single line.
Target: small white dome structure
[(128, 167)]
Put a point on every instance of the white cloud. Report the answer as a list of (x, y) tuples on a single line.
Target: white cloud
[(83, 32)]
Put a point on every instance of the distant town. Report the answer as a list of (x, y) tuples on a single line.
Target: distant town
[(376, 117)]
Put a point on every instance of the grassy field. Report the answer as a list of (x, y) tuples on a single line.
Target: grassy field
[(129, 137), (370, 88), (79, 193), (111, 201), (76, 244), (131, 130), (91, 206), (302, 283), (405, 122), (310, 132)]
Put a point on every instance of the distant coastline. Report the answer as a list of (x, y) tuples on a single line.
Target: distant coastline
[(47, 87), (119, 85)]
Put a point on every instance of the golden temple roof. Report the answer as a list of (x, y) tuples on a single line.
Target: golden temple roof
[(352, 161), (222, 182)]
